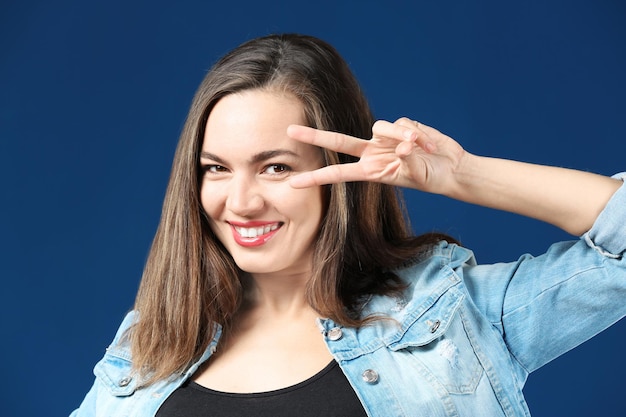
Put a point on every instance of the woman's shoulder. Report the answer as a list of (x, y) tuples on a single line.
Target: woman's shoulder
[(120, 346), (121, 338), (427, 276), (129, 320), (114, 371), (434, 257)]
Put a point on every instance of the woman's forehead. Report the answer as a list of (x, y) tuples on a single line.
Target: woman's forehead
[(253, 121)]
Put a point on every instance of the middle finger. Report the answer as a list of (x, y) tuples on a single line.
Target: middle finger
[(334, 141)]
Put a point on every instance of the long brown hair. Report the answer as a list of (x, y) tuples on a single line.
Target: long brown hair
[(191, 282)]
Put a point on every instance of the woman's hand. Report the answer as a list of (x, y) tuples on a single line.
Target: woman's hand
[(405, 153), (409, 154)]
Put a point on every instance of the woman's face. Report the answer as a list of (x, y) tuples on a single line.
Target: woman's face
[(247, 159)]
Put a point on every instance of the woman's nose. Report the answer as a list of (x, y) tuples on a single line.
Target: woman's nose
[(244, 197)]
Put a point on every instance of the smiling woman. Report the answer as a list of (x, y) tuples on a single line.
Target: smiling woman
[(248, 200), (283, 279)]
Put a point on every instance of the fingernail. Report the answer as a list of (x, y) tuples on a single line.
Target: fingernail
[(430, 147), (409, 135)]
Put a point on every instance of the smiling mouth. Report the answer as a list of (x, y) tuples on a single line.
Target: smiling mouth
[(253, 232), (256, 235)]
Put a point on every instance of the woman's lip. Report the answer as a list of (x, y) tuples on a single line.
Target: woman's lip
[(254, 233), (257, 223)]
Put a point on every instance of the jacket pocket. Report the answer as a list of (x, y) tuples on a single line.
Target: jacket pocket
[(439, 346), (115, 373)]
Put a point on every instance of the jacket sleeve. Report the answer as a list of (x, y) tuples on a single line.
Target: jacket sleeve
[(546, 305)]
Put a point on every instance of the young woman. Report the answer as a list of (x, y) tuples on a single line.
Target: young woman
[(283, 279)]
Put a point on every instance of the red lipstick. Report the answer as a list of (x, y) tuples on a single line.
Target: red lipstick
[(256, 233)]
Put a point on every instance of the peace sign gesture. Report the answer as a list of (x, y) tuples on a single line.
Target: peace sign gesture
[(405, 153)]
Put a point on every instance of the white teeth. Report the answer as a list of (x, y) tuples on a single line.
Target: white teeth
[(252, 232)]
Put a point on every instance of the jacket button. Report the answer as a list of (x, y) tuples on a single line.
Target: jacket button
[(334, 334), (124, 381), (370, 376), (435, 326)]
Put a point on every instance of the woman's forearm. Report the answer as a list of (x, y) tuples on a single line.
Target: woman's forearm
[(568, 199)]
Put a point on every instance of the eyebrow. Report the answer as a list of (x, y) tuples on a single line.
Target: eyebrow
[(256, 158)]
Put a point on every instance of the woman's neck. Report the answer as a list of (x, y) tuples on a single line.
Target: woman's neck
[(276, 295)]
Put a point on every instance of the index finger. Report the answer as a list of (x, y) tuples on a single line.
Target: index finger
[(331, 174), (334, 141)]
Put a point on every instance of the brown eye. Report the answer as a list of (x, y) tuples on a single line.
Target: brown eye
[(214, 169), (275, 169)]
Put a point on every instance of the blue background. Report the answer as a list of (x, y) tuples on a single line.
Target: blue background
[(93, 95)]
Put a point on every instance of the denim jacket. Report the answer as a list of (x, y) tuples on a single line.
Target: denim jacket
[(460, 340)]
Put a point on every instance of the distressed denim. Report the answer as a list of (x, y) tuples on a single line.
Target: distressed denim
[(459, 341)]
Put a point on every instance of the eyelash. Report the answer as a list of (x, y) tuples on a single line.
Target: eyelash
[(282, 168), (216, 169), (213, 169)]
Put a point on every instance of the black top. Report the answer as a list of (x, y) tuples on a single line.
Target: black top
[(328, 393)]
